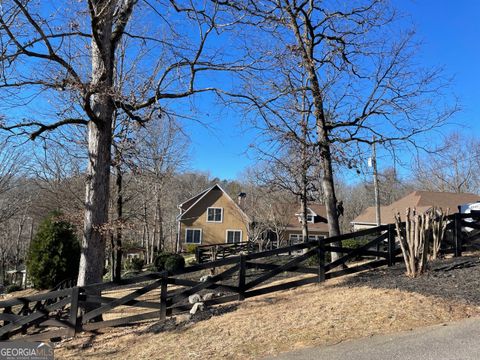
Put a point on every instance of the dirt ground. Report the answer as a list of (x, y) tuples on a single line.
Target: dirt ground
[(361, 305)]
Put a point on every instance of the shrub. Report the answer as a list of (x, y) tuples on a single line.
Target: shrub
[(174, 263), (12, 288), (354, 244), (134, 264), (160, 260), (54, 253), (314, 260), (190, 248)]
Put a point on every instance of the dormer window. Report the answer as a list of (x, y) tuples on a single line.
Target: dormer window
[(214, 214), (310, 218)]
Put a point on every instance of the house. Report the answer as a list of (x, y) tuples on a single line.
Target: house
[(134, 252), (316, 220), (422, 201), (211, 217)]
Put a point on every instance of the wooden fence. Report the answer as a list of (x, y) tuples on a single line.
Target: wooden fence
[(206, 253), (159, 295)]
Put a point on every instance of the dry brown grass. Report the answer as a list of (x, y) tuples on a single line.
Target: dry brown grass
[(311, 315)]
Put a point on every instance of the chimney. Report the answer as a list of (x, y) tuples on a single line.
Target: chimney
[(241, 200)]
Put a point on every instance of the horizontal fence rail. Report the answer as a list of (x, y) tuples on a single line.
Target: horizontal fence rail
[(150, 296)]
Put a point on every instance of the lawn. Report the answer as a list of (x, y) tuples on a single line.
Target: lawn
[(365, 304)]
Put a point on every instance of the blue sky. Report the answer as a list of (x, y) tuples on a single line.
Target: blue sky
[(449, 32)]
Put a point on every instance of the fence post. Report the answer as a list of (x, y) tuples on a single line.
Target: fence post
[(74, 320), (391, 245), (458, 235), (321, 260), (241, 277), (197, 254), (163, 296), (7, 310)]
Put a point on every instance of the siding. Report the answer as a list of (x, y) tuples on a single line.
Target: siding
[(214, 233)]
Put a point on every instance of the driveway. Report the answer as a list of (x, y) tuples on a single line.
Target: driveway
[(459, 341)]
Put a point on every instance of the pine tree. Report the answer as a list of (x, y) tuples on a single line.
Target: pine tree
[(54, 253)]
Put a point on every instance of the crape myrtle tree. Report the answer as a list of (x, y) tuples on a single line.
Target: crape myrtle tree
[(58, 63), (358, 71)]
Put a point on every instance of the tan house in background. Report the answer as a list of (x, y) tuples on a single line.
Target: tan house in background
[(211, 217), (317, 224), (422, 201)]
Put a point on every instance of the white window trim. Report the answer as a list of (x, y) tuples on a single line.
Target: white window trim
[(201, 236), (313, 218), (290, 237), (221, 215), (237, 230)]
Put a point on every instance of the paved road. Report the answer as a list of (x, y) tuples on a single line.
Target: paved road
[(455, 341)]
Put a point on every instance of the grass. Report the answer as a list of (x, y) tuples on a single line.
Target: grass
[(312, 315)]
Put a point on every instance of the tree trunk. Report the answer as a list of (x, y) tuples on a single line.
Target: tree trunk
[(118, 228), (157, 223), (328, 185), (99, 148), (305, 166)]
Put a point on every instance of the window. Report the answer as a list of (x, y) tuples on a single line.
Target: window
[(296, 238), (214, 214), (193, 236), (310, 218), (234, 236)]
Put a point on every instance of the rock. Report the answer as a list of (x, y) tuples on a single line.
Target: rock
[(195, 298), (205, 278), (199, 306), (208, 296)]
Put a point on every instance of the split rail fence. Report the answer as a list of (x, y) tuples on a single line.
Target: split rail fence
[(158, 295)]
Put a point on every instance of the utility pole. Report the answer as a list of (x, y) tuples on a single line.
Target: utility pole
[(375, 183)]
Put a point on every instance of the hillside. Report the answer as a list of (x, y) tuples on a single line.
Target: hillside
[(380, 301)]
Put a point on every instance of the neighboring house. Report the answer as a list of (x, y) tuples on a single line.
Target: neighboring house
[(211, 217), (317, 224), (422, 201), (134, 252)]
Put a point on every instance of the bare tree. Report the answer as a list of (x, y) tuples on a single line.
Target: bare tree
[(45, 49), (161, 153), (359, 75), (453, 167)]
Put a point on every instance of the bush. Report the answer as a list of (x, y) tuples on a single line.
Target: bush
[(314, 260), (12, 288), (160, 260), (190, 248), (170, 262), (134, 264), (354, 244), (174, 263), (54, 253)]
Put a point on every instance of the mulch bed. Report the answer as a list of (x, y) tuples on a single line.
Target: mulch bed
[(451, 279)]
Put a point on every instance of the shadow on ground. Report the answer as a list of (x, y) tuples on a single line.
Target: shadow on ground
[(173, 324), (455, 279)]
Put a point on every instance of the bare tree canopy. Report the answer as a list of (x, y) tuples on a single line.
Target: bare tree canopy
[(58, 64), (452, 167), (358, 73)]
